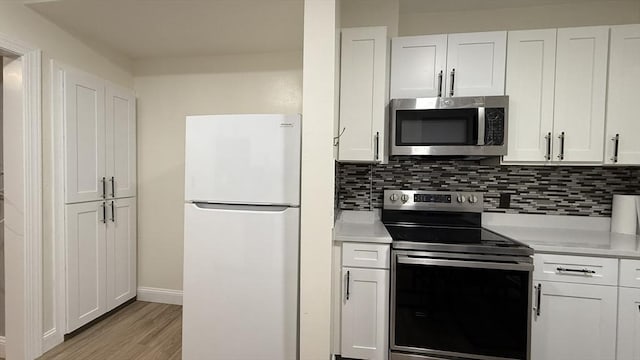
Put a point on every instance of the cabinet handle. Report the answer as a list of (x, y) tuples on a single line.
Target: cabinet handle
[(104, 187), (113, 186), (582, 271), (348, 278), (616, 145), (377, 139), (538, 298), (104, 212), (548, 155), (113, 212), (561, 137), (453, 80), (440, 83)]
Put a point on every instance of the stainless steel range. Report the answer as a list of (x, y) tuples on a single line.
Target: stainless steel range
[(458, 291)]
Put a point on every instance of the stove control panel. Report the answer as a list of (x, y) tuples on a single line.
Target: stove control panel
[(433, 200)]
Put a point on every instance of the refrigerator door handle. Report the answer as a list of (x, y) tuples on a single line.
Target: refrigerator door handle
[(264, 208)]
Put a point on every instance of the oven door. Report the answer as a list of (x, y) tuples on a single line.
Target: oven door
[(461, 305)]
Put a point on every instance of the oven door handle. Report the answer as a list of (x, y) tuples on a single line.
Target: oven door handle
[(464, 263)]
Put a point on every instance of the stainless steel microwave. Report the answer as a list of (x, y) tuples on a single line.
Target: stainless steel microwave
[(458, 126)]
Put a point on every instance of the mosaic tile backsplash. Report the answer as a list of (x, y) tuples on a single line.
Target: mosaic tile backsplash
[(566, 190)]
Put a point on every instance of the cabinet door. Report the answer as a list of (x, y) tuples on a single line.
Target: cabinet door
[(623, 120), (363, 94), (476, 64), (121, 142), (576, 322), (121, 252), (418, 64), (86, 267), (629, 324), (531, 60), (84, 137), (581, 75), (365, 313)]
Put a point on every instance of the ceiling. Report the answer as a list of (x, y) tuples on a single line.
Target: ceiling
[(142, 29), (409, 6)]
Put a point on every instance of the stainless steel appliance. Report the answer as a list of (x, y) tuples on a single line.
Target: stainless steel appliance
[(458, 291), (458, 126)]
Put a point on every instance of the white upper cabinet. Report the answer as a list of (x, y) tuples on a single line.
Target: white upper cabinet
[(84, 118), (476, 64), (580, 94), (531, 60), (470, 64), (623, 121), (363, 94), (418, 66), (121, 141)]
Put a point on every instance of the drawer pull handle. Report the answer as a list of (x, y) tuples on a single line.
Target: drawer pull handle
[(582, 271)]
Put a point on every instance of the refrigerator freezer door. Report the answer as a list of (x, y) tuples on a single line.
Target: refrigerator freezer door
[(243, 159), (240, 282)]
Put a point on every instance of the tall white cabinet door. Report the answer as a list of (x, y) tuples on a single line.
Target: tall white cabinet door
[(629, 324), (363, 94), (121, 252), (531, 60), (84, 136), (418, 66), (365, 307), (623, 120), (86, 267), (121, 141), (576, 322), (476, 64), (581, 76)]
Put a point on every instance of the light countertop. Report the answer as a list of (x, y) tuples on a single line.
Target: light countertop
[(566, 235), (360, 226)]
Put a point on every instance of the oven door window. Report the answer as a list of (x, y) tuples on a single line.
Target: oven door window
[(462, 310), (437, 127)]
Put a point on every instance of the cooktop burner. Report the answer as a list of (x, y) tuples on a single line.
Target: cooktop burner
[(443, 221)]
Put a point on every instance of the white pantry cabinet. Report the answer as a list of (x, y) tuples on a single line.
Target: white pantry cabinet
[(573, 321), (364, 302), (629, 324), (100, 139), (363, 95), (471, 64), (121, 252), (531, 61), (623, 121), (418, 66), (580, 94)]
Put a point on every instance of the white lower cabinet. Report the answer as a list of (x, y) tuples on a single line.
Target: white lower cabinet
[(629, 324), (365, 313), (574, 322), (101, 258)]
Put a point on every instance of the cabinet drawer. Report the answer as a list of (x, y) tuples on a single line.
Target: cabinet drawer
[(366, 255), (630, 273), (576, 269)]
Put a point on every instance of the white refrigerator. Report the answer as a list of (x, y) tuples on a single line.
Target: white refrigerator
[(242, 216)]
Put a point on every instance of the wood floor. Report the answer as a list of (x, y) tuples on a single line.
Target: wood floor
[(140, 331)]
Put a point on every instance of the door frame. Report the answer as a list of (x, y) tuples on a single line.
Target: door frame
[(23, 281)]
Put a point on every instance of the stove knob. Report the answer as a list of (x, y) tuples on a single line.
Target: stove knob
[(394, 197), (473, 199), (461, 199), (404, 198)]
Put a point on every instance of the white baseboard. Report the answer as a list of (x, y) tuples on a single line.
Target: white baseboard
[(163, 296), (51, 339), (3, 341)]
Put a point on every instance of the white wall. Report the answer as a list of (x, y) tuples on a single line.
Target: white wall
[(21, 23), (167, 91), (537, 17), (357, 13)]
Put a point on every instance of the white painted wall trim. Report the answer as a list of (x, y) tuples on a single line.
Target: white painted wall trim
[(27, 274), (50, 340), (3, 341), (163, 296)]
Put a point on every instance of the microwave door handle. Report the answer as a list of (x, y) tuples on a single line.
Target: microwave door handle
[(481, 125)]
